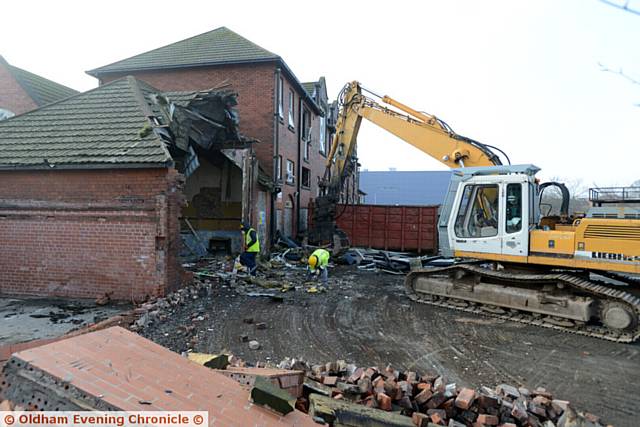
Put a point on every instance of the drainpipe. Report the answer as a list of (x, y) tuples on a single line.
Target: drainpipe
[(276, 126), (299, 177)]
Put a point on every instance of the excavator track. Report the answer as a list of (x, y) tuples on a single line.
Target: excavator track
[(615, 300)]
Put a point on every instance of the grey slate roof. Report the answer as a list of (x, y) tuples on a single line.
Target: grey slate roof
[(217, 47), (220, 46), (107, 126), (404, 187), (42, 91)]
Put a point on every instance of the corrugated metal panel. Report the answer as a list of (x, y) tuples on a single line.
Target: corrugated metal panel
[(404, 228)]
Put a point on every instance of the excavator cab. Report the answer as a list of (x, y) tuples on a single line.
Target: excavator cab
[(489, 210)]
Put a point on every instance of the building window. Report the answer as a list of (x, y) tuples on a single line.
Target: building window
[(280, 98), (306, 178), (307, 149), (306, 125), (291, 116), (323, 135), (279, 168), (306, 132), (290, 174)]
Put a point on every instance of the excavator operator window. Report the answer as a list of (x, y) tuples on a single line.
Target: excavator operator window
[(478, 212), (514, 208)]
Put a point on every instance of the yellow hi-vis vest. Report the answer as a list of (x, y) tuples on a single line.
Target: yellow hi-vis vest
[(247, 239), (323, 258)]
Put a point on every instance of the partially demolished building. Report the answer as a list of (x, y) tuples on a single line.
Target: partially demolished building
[(291, 120), (93, 188), (103, 191)]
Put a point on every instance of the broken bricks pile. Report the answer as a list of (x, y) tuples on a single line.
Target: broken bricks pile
[(431, 402)]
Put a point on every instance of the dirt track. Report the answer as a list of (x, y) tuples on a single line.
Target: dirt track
[(369, 321)]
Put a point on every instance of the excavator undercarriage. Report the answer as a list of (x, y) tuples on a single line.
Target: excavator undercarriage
[(570, 301)]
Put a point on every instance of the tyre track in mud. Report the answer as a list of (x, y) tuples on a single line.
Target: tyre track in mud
[(369, 321)]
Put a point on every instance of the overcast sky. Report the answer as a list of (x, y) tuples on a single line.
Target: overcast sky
[(520, 75)]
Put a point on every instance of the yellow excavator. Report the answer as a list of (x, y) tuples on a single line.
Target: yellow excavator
[(508, 260)]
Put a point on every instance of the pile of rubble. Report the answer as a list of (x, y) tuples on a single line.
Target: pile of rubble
[(431, 401), (285, 271), (336, 392)]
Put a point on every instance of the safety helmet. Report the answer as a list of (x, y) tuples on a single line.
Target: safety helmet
[(244, 226), (313, 261)]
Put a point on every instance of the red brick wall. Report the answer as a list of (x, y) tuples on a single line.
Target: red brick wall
[(85, 233), (12, 96)]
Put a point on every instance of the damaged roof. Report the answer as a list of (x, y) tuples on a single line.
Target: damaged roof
[(220, 46), (108, 126), (42, 91)]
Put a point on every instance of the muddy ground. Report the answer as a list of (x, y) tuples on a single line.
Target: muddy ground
[(366, 319)]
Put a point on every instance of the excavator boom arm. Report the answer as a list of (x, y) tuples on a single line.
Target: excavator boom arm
[(425, 132)]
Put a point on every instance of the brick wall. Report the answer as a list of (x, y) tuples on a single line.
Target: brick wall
[(12, 96), (85, 233)]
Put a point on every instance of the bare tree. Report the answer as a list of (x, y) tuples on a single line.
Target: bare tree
[(624, 5)]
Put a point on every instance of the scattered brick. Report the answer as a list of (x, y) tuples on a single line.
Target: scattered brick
[(420, 420), (330, 381), (465, 398), (422, 397), (489, 420), (384, 402)]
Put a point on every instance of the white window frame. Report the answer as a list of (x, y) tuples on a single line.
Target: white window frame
[(279, 168), (291, 172), (280, 98), (323, 135), (292, 116)]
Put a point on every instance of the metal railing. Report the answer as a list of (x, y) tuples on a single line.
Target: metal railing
[(614, 195)]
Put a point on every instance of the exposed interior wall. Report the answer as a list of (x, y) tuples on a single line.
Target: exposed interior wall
[(213, 207), (84, 233)]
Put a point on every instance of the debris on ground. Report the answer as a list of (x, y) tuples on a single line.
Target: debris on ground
[(337, 393), (284, 272), (430, 400), (363, 317), (390, 262)]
